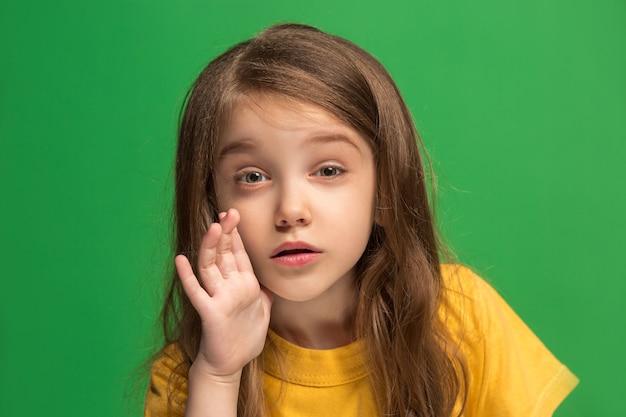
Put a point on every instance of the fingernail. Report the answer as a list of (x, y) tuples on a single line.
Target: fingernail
[(222, 215)]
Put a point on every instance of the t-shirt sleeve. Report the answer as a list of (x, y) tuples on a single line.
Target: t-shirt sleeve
[(511, 372), (167, 389)]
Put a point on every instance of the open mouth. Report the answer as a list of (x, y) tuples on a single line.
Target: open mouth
[(288, 252), (295, 254)]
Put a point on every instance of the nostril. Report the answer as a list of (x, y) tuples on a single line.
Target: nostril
[(292, 214)]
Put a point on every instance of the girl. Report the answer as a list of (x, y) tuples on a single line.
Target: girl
[(317, 289)]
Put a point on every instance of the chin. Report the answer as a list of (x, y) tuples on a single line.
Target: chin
[(295, 293), (297, 297)]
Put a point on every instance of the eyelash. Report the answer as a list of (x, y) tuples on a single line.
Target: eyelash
[(337, 171), (244, 176), (241, 177)]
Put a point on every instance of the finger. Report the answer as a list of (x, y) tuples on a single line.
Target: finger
[(240, 254), (197, 295), (210, 275), (237, 247), (225, 260), (229, 220)]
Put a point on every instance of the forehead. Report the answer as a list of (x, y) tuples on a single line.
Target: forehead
[(254, 118), (278, 111)]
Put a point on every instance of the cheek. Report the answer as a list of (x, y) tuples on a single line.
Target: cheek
[(361, 202), (357, 224), (354, 214), (253, 231)]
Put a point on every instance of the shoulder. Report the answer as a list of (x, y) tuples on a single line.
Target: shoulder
[(475, 307), (510, 370), (460, 282), (466, 299), (167, 388)]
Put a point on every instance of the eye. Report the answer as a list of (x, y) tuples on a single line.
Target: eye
[(251, 177), (330, 171)]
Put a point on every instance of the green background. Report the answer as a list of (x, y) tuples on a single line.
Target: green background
[(522, 105)]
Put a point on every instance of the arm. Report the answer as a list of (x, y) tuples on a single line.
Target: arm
[(234, 311)]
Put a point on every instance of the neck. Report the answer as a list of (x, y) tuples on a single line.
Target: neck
[(323, 323)]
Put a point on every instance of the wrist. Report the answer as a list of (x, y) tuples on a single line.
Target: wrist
[(201, 371), (211, 394)]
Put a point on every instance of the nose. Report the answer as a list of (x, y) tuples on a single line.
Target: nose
[(292, 208)]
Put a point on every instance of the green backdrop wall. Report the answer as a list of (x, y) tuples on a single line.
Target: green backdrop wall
[(522, 106)]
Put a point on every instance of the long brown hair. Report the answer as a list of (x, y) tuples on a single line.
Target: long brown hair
[(413, 369)]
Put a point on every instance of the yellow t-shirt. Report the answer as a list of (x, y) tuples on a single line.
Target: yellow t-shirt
[(310, 382), (511, 373)]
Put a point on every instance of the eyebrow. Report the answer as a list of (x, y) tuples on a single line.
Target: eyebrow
[(244, 146), (239, 146), (332, 138)]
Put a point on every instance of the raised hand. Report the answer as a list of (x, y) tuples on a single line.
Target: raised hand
[(233, 307)]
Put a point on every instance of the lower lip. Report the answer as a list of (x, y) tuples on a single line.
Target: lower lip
[(297, 259)]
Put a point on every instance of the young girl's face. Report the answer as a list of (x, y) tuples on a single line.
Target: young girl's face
[(304, 184)]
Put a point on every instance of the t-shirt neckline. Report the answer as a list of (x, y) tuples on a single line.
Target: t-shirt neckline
[(313, 367)]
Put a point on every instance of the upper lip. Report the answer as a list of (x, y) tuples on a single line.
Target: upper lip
[(294, 247)]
